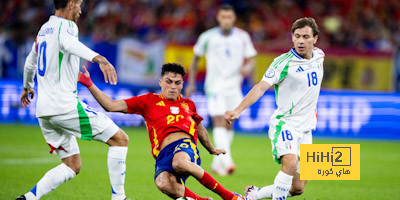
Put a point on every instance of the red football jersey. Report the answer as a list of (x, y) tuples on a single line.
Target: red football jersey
[(163, 116)]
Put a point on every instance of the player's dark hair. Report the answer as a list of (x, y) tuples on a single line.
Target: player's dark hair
[(174, 68), (226, 7), (60, 4), (306, 21)]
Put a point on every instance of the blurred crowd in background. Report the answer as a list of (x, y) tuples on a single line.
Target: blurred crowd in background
[(363, 25)]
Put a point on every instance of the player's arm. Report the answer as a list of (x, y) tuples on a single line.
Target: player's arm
[(105, 101), (205, 141), (199, 50), (248, 66), (71, 44), (255, 93), (191, 87), (29, 73), (77, 48), (249, 54)]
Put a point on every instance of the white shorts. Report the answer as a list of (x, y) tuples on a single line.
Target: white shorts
[(60, 131), (285, 140), (217, 104)]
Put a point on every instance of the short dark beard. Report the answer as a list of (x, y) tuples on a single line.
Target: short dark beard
[(226, 32)]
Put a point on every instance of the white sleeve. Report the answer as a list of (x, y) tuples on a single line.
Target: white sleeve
[(201, 45), (276, 72), (30, 68), (249, 50), (70, 43)]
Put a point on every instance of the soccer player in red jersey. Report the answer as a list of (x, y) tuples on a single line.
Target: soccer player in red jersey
[(173, 126)]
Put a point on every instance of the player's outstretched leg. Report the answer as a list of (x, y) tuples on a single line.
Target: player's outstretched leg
[(254, 193), (116, 162), (52, 179), (191, 194), (182, 164), (222, 164), (286, 180)]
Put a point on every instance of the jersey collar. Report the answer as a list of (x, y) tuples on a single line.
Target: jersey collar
[(162, 97), (293, 51), (53, 16), (230, 32)]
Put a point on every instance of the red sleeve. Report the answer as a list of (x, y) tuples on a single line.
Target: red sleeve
[(137, 105), (197, 118)]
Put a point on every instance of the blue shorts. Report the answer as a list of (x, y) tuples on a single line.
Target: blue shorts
[(164, 159)]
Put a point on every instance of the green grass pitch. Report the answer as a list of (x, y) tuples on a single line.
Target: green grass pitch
[(24, 159)]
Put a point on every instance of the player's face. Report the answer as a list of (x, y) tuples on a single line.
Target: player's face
[(171, 85), (76, 11), (303, 41), (226, 19)]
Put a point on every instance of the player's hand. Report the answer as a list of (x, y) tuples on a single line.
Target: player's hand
[(84, 78), (109, 73), (25, 97), (110, 76), (190, 89), (245, 71), (218, 151), (231, 116)]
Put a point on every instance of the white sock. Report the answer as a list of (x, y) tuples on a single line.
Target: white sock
[(221, 142), (266, 192), (231, 133), (116, 169), (50, 181), (282, 184)]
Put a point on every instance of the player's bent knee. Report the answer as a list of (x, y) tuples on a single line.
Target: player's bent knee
[(74, 162), (76, 167), (125, 138), (164, 187), (161, 185), (120, 138)]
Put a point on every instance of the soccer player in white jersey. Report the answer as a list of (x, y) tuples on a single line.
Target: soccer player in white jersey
[(62, 116), (297, 77), (230, 55)]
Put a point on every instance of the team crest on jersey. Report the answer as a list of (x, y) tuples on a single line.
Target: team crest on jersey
[(270, 73), (174, 110), (185, 106)]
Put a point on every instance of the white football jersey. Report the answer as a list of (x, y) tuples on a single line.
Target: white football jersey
[(224, 58), (297, 84), (55, 57)]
